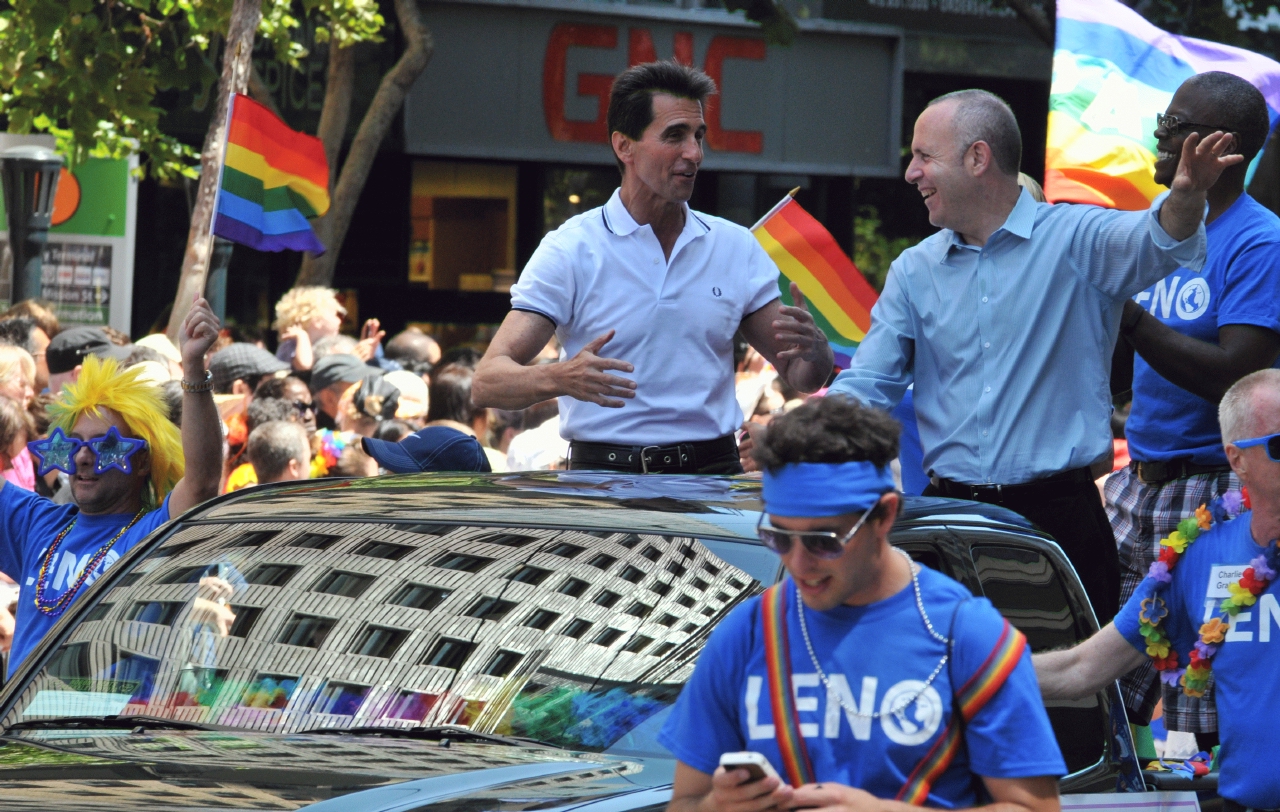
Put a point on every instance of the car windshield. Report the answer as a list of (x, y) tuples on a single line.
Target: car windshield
[(579, 638)]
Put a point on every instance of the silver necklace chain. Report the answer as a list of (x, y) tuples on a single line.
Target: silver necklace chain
[(908, 701)]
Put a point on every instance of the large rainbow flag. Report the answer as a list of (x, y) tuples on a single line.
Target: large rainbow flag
[(1112, 73), (273, 181), (837, 293)]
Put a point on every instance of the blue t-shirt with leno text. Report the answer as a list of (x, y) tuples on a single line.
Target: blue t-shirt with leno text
[(1240, 284), (1245, 669), (28, 525), (875, 658)]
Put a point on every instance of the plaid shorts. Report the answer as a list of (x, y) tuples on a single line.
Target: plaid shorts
[(1140, 516)]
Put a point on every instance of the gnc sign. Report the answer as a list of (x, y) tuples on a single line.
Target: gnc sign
[(639, 49), (528, 80)]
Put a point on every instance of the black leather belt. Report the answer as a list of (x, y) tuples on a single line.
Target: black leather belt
[(651, 459), (1158, 473), (997, 494)]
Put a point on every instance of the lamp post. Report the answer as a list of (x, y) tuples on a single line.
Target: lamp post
[(30, 183)]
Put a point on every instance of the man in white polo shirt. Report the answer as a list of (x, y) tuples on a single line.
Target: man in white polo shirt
[(645, 295)]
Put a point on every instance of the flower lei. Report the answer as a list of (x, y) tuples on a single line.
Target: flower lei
[(1153, 610)]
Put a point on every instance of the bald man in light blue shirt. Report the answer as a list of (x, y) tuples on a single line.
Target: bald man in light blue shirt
[(1005, 321)]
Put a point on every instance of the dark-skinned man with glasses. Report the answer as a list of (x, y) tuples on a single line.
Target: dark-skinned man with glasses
[(866, 681), (1209, 606), (1195, 334)]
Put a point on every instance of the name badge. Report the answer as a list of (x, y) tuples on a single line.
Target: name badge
[(1221, 576)]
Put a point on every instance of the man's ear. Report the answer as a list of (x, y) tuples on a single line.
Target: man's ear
[(978, 159), (141, 462), (1237, 461), (239, 387), (621, 147), (297, 469), (889, 503)]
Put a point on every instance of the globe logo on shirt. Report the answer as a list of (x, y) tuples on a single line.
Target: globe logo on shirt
[(716, 292), (917, 722), (1193, 299)]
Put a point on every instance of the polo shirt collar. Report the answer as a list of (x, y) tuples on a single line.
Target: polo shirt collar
[(619, 221)]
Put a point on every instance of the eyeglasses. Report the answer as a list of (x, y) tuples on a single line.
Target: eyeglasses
[(1271, 441), (819, 543), (111, 450), (1176, 125), (303, 407)]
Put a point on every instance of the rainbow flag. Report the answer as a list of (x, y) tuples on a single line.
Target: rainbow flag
[(837, 293), (273, 180), (1112, 73)]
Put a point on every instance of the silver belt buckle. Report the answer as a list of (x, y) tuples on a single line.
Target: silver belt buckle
[(644, 460)]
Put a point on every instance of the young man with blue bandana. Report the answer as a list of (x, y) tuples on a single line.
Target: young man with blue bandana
[(867, 681), (111, 433), (1185, 602)]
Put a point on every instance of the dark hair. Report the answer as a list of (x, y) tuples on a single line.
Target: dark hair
[(139, 354), (393, 431), (830, 429), (40, 312), (264, 410), (171, 391), (463, 356), (17, 330), (631, 98), (274, 387), (450, 395), (984, 116), (1238, 106)]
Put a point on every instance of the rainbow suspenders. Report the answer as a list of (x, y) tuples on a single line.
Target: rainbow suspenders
[(969, 699)]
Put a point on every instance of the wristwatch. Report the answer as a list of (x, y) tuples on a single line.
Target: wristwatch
[(203, 386)]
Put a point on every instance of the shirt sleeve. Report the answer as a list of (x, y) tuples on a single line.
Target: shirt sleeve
[(1252, 288), (884, 364), (546, 284), (762, 279), (1010, 737), (20, 510), (1126, 620), (1122, 253), (704, 723)]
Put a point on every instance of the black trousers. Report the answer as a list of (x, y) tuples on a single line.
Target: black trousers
[(1074, 516)]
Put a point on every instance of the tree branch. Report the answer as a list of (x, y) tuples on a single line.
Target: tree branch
[(334, 115), (395, 85), (258, 90)]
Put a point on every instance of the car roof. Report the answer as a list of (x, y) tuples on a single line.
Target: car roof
[(703, 506)]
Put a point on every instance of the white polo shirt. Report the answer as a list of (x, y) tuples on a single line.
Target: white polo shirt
[(674, 319)]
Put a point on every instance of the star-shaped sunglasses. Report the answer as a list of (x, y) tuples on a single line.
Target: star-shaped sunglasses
[(57, 452)]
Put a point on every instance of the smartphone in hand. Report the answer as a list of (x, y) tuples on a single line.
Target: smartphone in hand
[(756, 765)]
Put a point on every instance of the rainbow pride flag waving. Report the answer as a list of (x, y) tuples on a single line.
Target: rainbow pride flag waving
[(838, 295), (1112, 73), (273, 181)]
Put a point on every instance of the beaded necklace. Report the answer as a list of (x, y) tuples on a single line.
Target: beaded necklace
[(1261, 571), (57, 607)]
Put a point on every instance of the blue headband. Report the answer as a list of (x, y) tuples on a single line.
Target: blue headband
[(819, 489)]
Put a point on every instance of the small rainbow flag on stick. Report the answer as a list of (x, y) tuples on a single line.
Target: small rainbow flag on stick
[(273, 181), (1112, 73), (838, 295)]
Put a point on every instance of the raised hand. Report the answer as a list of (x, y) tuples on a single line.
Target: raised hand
[(1203, 161), (370, 337), (583, 377), (199, 331), (795, 327)]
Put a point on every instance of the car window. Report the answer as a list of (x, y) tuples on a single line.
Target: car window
[(577, 638), (1025, 586)]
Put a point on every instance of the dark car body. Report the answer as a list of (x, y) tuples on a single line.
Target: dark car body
[(594, 589)]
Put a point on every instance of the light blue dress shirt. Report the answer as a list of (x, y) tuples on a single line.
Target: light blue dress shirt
[(1009, 344)]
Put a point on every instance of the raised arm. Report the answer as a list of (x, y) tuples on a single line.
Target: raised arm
[(503, 381), (201, 434), (1084, 670), (790, 340)]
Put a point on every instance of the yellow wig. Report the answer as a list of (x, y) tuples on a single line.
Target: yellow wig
[(102, 384)]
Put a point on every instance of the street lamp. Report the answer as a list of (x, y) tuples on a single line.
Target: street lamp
[(30, 183)]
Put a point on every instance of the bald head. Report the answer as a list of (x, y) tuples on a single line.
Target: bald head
[(1251, 407), (413, 345), (977, 115)]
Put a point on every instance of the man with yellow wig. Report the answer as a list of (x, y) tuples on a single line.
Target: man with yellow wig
[(112, 435)]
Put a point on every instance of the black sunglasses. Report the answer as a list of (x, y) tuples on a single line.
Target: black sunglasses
[(1176, 125), (303, 407), (1271, 441), (820, 543)]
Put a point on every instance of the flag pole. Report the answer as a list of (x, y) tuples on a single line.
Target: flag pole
[(222, 165), (787, 198)]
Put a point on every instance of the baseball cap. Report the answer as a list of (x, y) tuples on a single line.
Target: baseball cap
[(414, 395), (338, 368), (435, 448), (242, 361), (67, 349)]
